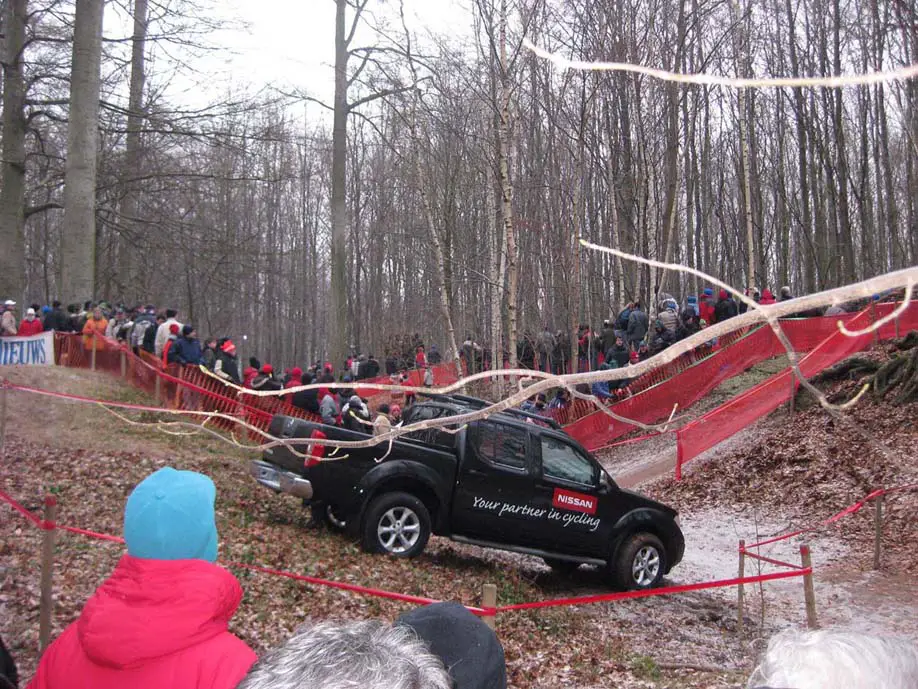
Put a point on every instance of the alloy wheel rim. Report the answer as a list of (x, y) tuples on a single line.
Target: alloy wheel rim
[(646, 566), (398, 529)]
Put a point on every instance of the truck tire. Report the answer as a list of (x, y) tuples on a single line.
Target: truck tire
[(397, 524), (324, 514), (561, 567), (640, 563)]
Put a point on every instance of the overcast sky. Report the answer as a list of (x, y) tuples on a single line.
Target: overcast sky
[(290, 43)]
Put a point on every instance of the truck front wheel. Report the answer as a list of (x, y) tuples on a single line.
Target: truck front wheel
[(641, 562), (396, 524)]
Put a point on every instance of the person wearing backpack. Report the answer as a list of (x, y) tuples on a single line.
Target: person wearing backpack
[(144, 322)]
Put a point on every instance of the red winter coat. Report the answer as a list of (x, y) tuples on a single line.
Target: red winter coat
[(27, 328), (248, 375), (152, 624), (292, 383), (706, 311)]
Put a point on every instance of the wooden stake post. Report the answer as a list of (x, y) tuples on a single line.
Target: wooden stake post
[(740, 594), (809, 592), (878, 530), (489, 600), (49, 528)]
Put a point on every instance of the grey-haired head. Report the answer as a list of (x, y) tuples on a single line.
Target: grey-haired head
[(348, 655)]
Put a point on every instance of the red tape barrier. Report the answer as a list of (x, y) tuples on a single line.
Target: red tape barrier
[(647, 593), (851, 509), (421, 600)]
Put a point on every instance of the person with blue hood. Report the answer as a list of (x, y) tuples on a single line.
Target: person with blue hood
[(600, 388), (161, 619)]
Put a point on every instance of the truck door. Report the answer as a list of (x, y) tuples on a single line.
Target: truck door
[(494, 473), (567, 485)]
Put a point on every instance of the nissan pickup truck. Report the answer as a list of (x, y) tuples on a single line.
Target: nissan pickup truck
[(513, 481)]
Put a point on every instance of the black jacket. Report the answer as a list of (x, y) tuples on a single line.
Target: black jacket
[(58, 320), (724, 309)]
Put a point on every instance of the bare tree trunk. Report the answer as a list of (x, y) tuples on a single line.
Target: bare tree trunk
[(12, 185), (338, 316), (496, 279), (78, 242), (503, 136), (132, 274), (742, 123)]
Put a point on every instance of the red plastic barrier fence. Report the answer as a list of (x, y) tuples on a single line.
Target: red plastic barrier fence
[(685, 381), (719, 424), (684, 389)]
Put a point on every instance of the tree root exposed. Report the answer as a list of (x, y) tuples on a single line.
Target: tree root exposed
[(896, 380), (899, 374)]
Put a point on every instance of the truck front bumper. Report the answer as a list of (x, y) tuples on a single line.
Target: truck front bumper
[(279, 480)]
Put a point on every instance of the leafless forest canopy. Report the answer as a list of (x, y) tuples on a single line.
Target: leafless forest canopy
[(468, 165)]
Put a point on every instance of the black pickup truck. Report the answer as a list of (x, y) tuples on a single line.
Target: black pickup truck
[(513, 481)]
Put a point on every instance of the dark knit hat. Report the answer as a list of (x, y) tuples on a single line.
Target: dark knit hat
[(187, 330), (470, 650)]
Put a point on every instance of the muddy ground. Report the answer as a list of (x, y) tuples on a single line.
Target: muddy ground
[(91, 460)]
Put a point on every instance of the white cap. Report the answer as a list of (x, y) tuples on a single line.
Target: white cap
[(30, 312), (9, 302)]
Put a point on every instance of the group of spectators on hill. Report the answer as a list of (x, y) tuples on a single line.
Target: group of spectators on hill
[(162, 617)]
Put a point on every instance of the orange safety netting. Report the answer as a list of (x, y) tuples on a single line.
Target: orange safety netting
[(721, 423), (177, 387)]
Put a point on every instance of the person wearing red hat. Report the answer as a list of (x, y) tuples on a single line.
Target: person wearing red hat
[(226, 365), (167, 348), (296, 379), (265, 379)]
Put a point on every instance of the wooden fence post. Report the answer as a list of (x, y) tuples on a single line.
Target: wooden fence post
[(123, 364), (489, 600), (878, 530), (49, 528), (740, 593), (793, 393), (809, 593), (158, 392), (92, 353)]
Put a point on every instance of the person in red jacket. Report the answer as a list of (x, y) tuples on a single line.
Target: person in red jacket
[(706, 305), (767, 298), (160, 620), (30, 325), (296, 379)]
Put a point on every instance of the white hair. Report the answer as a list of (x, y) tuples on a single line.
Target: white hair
[(833, 659), (349, 655)]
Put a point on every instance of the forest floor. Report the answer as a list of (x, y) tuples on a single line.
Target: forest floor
[(782, 473)]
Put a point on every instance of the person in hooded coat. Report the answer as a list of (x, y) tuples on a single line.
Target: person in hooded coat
[(226, 365), (355, 416), (706, 307), (161, 619), (767, 298), (296, 380), (725, 308)]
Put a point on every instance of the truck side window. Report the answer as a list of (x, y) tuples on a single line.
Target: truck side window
[(561, 461), (501, 445)]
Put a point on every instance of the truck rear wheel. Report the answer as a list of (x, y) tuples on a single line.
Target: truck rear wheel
[(640, 563), (397, 524), (325, 514)]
